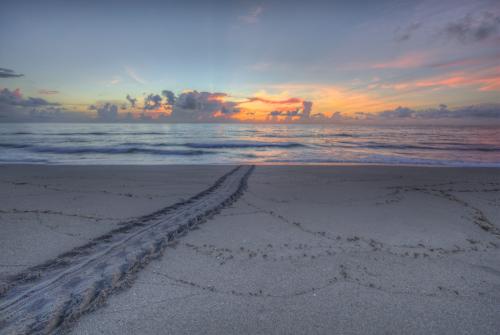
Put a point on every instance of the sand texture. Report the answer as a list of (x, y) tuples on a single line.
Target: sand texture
[(318, 250)]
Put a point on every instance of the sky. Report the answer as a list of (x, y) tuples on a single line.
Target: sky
[(250, 61)]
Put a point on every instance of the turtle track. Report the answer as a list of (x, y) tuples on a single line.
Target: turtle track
[(50, 297)]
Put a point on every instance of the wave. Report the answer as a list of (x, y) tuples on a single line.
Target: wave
[(242, 145), (311, 135), (14, 160), (439, 148), (221, 145), (91, 133), (114, 150), (151, 144), (378, 145), (19, 133), (13, 145)]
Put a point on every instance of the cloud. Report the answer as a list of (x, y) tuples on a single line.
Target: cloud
[(473, 28), (113, 81), (107, 112), (275, 102), (132, 101), (288, 115), (483, 111), (169, 95), (15, 108), (7, 73), (253, 15), (48, 92), (472, 114), (404, 62), (306, 109), (15, 98), (152, 102), (203, 106), (486, 79), (194, 106), (300, 114), (404, 34), (134, 76)]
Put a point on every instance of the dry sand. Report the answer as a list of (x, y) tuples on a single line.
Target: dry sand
[(316, 249), (48, 210)]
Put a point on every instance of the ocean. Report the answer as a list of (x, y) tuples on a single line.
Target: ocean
[(45, 143)]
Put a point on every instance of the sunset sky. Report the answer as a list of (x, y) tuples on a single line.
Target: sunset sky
[(272, 61)]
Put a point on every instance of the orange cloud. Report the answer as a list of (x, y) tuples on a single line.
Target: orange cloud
[(258, 107), (326, 99)]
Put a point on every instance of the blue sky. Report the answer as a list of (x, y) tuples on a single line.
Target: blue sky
[(343, 56)]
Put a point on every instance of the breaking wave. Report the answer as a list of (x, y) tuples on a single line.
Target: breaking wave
[(115, 150)]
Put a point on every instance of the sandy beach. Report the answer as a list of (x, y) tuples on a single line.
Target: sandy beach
[(270, 250)]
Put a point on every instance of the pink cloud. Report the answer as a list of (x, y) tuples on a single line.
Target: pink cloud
[(486, 80), (17, 93), (404, 62)]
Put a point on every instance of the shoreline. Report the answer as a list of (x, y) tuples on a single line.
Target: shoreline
[(271, 164)]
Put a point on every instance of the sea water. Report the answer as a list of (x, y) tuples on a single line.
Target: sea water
[(93, 143)]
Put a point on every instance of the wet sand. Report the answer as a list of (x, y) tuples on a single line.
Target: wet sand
[(304, 249)]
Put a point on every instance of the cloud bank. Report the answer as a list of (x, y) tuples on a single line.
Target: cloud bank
[(486, 114), (15, 98), (194, 106)]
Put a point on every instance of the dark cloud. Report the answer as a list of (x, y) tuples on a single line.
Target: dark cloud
[(306, 109), (15, 98), (169, 95), (131, 100), (473, 28), (202, 106), (483, 113), (303, 115), (107, 112), (55, 114), (48, 114), (152, 102), (188, 100), (15, 108), (321, 117), (400, 112), (7, 73), (405, 33)]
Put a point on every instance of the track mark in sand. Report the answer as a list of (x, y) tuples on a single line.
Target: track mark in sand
[(353, 243), (48, 297), (478, 216)]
